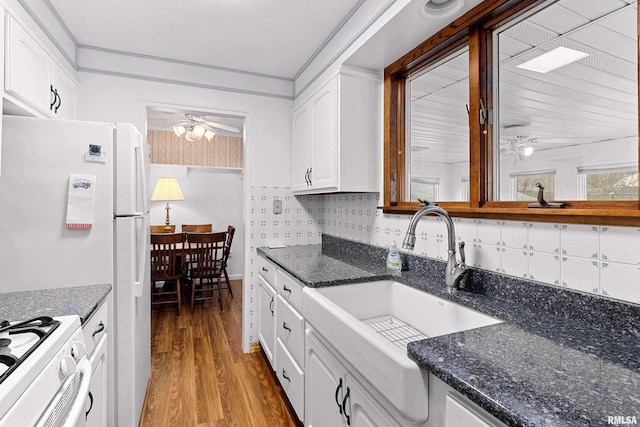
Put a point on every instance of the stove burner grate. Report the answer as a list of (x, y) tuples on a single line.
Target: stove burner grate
[(4, 343), (43, 327)]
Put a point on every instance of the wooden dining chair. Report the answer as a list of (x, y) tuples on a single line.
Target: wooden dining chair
[(231, 230), (206, 254), (166, 267), (197, 228), (157, 229)]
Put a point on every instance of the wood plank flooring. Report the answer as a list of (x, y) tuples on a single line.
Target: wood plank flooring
[(200, 376)]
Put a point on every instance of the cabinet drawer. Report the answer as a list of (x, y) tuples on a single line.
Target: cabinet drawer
[(96, 327), (267, 270), (290, 289), (290, 326), (459, 413), (291, 378)]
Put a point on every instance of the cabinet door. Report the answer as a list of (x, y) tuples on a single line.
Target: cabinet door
[(290, 329), (266, 319), (301, 141), (291, 378), (361, 410), (96, 404), (28, 68), (325, 386), (324, 137), (64, 106)]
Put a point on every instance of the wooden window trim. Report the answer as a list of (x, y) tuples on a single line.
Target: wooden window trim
[(474, 29)]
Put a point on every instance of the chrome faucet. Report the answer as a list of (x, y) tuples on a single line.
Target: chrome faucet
[(456, 271)]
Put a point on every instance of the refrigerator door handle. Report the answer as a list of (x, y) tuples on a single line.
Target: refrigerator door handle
[(141, 254), (131, 215), (142, 166)]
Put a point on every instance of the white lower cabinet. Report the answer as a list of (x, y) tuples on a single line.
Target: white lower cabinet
[(266, 319), (96, 405), (291, 377), (333, 397), (96, 337), (290, 327), (281, 330)]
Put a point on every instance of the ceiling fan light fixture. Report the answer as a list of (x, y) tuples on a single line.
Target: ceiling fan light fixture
[(179, 130), (209, 135), (190, 136), (198, 130), (524, 151)]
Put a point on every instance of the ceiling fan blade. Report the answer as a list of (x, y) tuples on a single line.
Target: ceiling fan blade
[(562, 140), (215, 125)]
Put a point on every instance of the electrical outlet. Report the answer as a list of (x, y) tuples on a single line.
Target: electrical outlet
[(277, 206)]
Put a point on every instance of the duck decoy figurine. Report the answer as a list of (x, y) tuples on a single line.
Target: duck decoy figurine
[(542, 203)]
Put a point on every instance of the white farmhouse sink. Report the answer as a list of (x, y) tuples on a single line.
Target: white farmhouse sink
[(371, 323)]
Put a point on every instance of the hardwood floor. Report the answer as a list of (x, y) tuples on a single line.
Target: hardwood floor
[(201, 377)]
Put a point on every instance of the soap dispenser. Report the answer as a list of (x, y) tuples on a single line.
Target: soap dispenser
[(394, 259)]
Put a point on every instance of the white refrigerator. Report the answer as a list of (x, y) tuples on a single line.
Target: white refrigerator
[(74, 211)]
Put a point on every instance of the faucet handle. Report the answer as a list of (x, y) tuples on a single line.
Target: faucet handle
[(462, 256)]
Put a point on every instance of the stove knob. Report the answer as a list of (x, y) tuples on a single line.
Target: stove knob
[(67, 366), (78, 350)]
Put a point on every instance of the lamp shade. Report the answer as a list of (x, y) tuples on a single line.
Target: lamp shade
[(166, 189)]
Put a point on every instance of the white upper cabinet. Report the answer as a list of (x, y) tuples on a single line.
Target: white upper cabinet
[(336, 136), (63, 95), (33, 80)]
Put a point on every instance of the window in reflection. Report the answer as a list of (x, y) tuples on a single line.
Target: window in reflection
[(576, 115), (608, 184), (524, 186), (437, 130)]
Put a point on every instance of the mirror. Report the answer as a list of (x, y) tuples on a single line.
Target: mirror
[(437, 154), (566, 102)]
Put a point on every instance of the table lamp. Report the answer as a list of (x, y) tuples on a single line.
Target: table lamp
[(167, 189)]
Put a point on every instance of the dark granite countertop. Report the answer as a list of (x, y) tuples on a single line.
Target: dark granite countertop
[(560, 358), (80, 300)]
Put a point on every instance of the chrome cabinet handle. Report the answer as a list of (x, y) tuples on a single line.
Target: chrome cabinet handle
[(271, 306), (284, 375), (284, 288), (265, 270), (285, 326), (310, 181)]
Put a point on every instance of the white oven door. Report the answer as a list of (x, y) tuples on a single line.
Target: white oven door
[(67, 409)]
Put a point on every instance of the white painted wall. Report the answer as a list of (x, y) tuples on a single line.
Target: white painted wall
[(268, 120)]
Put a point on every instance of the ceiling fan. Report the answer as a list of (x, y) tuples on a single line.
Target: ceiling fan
[(192, 124), (195, 127), (516, 140)]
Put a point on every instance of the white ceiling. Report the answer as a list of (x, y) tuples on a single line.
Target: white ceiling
[(274, 37)]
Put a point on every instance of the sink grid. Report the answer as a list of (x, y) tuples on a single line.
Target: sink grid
[(394, 330)]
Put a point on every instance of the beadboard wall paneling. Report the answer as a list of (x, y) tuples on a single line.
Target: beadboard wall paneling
[(221, 151)]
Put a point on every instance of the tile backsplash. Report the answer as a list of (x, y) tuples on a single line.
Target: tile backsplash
[(599, 260)]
